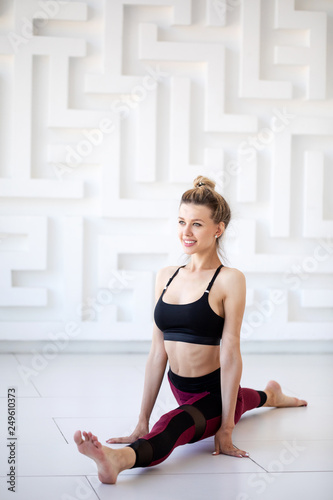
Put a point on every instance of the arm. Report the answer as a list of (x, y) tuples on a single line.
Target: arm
[(155, 368), (231, 361)]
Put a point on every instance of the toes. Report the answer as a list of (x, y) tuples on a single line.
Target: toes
[(96, 442), (300, 402), (88, 437), (78, 437)]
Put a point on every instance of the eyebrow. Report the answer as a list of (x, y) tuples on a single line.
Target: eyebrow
[(191, 219)]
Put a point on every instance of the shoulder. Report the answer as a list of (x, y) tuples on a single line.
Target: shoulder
[(231, 280), (163, 275), (232, 274), (166, 272)]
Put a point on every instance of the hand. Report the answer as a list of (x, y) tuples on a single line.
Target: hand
[(223, 444), (139, 431)]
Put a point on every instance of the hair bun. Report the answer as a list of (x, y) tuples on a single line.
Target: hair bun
[(204, 193), (203, 181)]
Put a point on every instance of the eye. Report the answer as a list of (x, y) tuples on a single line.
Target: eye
[(181, 222), (197, 224)]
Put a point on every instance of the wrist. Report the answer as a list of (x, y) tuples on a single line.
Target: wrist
[(144, 420), (227, 427)]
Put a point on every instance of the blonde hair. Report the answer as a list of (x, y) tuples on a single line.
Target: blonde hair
[(203, 193)]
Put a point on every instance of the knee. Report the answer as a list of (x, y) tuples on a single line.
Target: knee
[(199, 421)]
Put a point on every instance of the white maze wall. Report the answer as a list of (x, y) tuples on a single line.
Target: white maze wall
[(110, 108)]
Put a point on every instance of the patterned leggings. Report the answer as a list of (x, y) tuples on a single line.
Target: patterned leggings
[(197, 417)]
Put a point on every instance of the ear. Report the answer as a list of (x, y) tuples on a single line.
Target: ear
[(220, 229)]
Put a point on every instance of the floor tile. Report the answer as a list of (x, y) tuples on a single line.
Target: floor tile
[(12, 374), (147, 486), (302, 374), (91, 406), (292, 455), (103, 428), (50, 488), (54, 460), (84, 376), (287, 423), (34, 430)]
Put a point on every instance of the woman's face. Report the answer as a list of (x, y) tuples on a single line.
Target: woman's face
[(196, 229)]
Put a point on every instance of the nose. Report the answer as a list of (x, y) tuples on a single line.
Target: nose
[(187, 230)]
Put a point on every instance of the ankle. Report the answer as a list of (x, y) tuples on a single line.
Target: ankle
[(126, 458), (270, 398)]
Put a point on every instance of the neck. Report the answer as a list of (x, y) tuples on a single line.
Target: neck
[(200, 262)]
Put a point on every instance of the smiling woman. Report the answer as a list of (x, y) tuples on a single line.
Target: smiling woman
[(209, 210), (196, 228), (198, 316)]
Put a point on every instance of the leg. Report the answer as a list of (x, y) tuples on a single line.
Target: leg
[(109, 462), (198, 419), (272, 396), (191, 422), (276, 398), (248, 399), (184, 425)]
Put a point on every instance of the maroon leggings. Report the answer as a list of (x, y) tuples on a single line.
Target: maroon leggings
[(197, 417)]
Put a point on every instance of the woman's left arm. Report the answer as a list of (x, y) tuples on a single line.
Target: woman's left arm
[(231, 361)]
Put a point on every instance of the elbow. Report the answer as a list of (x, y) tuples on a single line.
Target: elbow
[(231, 357), (158, 357)]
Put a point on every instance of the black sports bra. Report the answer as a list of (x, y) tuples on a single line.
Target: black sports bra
[(195, 322)]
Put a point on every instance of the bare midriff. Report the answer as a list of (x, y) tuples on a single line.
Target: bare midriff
[(192, 360)]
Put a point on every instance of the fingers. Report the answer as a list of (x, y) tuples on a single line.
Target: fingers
[(236, 452), (217, 447), (231, 452), (239, 453), (121, 440)]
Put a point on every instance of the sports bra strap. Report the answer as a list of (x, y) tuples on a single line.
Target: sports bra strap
[(209, 285), (214, 278), (170, 279)]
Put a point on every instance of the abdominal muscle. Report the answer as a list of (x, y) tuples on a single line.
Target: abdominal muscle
[(192, 360)]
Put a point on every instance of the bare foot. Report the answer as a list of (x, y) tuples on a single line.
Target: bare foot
[(109, 461), (276, 398)]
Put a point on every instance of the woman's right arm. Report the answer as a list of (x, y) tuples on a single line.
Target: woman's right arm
[(155, 368)]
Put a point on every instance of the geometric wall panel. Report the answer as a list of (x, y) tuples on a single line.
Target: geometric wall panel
[(109, 109), (33, 257)]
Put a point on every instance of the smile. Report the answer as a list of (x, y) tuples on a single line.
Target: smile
[(189, 243)]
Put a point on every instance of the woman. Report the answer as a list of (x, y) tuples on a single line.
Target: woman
[(189, 319)]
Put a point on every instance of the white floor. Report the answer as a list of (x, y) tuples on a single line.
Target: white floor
[(291, 449)]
